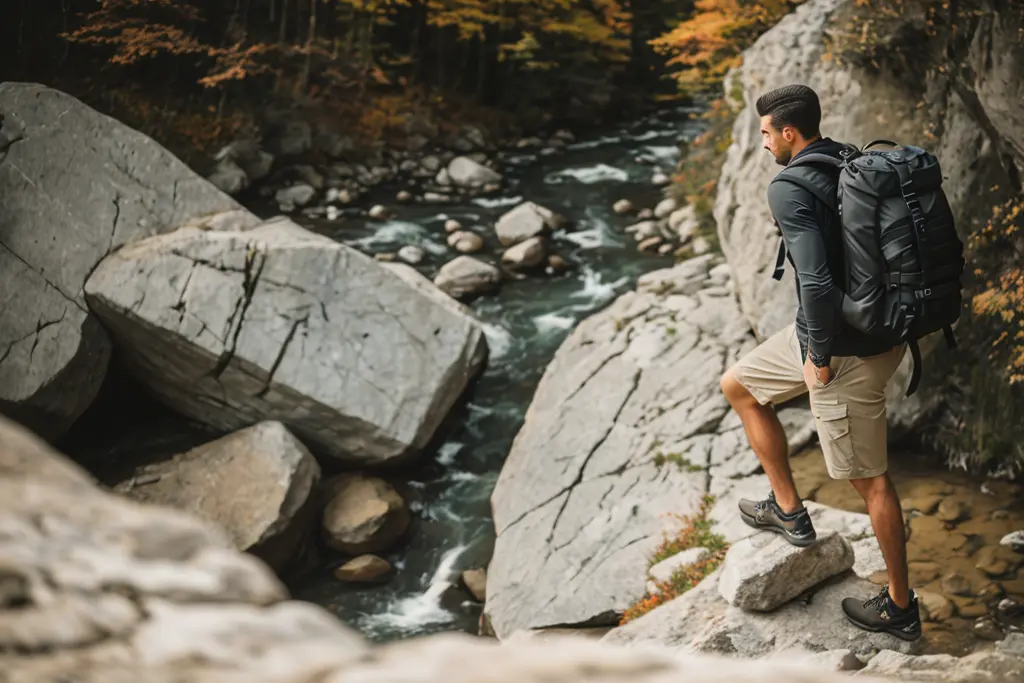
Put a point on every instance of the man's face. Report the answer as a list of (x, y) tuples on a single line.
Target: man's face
[(778, 142)]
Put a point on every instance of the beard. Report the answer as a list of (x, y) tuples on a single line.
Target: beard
[(783, 157)]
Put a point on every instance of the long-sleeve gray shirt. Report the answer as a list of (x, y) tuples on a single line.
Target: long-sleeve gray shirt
[(811, 233)]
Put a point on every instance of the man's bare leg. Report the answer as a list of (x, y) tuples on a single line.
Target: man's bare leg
[(767, 439), (887, 520)]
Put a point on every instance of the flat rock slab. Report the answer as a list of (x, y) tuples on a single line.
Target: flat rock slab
[(765, 571), (628, 428), (76, 185), (702, 621), (278, 323), (256, 484)]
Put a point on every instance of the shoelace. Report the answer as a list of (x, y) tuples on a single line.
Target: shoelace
[(763, 504), (879, 600)]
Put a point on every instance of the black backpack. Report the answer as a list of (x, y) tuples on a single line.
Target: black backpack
[(892, 210)]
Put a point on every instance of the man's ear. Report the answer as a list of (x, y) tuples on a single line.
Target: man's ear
[(789, 134)]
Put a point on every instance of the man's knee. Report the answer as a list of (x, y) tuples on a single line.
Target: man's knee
[(871, 487), (735, 393)]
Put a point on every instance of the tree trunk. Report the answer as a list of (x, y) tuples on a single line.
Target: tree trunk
[(310, 37), (283, 29)]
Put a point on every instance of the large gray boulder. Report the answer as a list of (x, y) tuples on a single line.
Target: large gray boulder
[(256, 484), (76, 185), (627, 426), (277, 323)]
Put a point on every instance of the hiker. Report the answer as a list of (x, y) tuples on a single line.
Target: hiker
[(844, 369)]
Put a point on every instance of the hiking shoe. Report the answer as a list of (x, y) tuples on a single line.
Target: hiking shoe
[(766, 514), (881, 615)]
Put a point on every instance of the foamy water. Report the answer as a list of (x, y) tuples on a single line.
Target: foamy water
[(414, 612), (599, 173)]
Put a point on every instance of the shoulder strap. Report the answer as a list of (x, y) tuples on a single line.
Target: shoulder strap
[(816, 158), (827, 198), (915, 375)]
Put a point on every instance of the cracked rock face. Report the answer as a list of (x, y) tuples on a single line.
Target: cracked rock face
[(75, 185), (256, 484), (276, 323), (627, 425)]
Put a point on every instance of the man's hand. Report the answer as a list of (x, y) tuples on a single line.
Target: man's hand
[(815, 376)]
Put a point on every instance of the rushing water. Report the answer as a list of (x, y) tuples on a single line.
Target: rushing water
[(525, 323)]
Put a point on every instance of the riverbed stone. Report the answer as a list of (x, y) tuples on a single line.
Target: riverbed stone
[(411, 254), (475, 581), (643, 230), (466, 277), (228, 177), (230, 327), (59, 220), (952, 510), (257, 484), (527, 254), (1014, 541), (294, 196), (363, 569), (683, 222), (248, 156), (525, 221), (934, 606), (465, 241), (466, 172), (665, 207), (649, 244), (623, 206), (363, 514), (765, 571)]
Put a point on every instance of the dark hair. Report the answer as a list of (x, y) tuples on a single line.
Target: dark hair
[(792, 105)]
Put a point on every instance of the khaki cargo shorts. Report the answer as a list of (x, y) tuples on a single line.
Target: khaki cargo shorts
[(849, 411)]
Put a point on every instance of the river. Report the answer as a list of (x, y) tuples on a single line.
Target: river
[(525, 324)]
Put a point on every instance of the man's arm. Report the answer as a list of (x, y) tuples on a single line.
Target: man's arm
[(793, 208)]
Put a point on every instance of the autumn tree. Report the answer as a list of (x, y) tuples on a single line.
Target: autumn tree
[(710, 42)]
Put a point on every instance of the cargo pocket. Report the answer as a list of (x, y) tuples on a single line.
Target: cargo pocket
[(835, 428)]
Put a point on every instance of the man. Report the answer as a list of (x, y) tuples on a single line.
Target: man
[(843, 370)]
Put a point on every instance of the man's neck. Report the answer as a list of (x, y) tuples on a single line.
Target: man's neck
[(802, 144)]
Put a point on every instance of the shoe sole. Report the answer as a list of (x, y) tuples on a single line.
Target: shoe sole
[(874, 629), (793, 540)]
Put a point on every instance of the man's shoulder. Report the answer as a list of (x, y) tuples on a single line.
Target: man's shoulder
[(804, 183)]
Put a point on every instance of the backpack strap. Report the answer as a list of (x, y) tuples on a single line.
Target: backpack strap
[(780, 260), (947, 332), (827, 198), (915, 375)]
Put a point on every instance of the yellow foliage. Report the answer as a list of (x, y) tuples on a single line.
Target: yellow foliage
[(1003, 297), (694, 532), (710, 42)]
